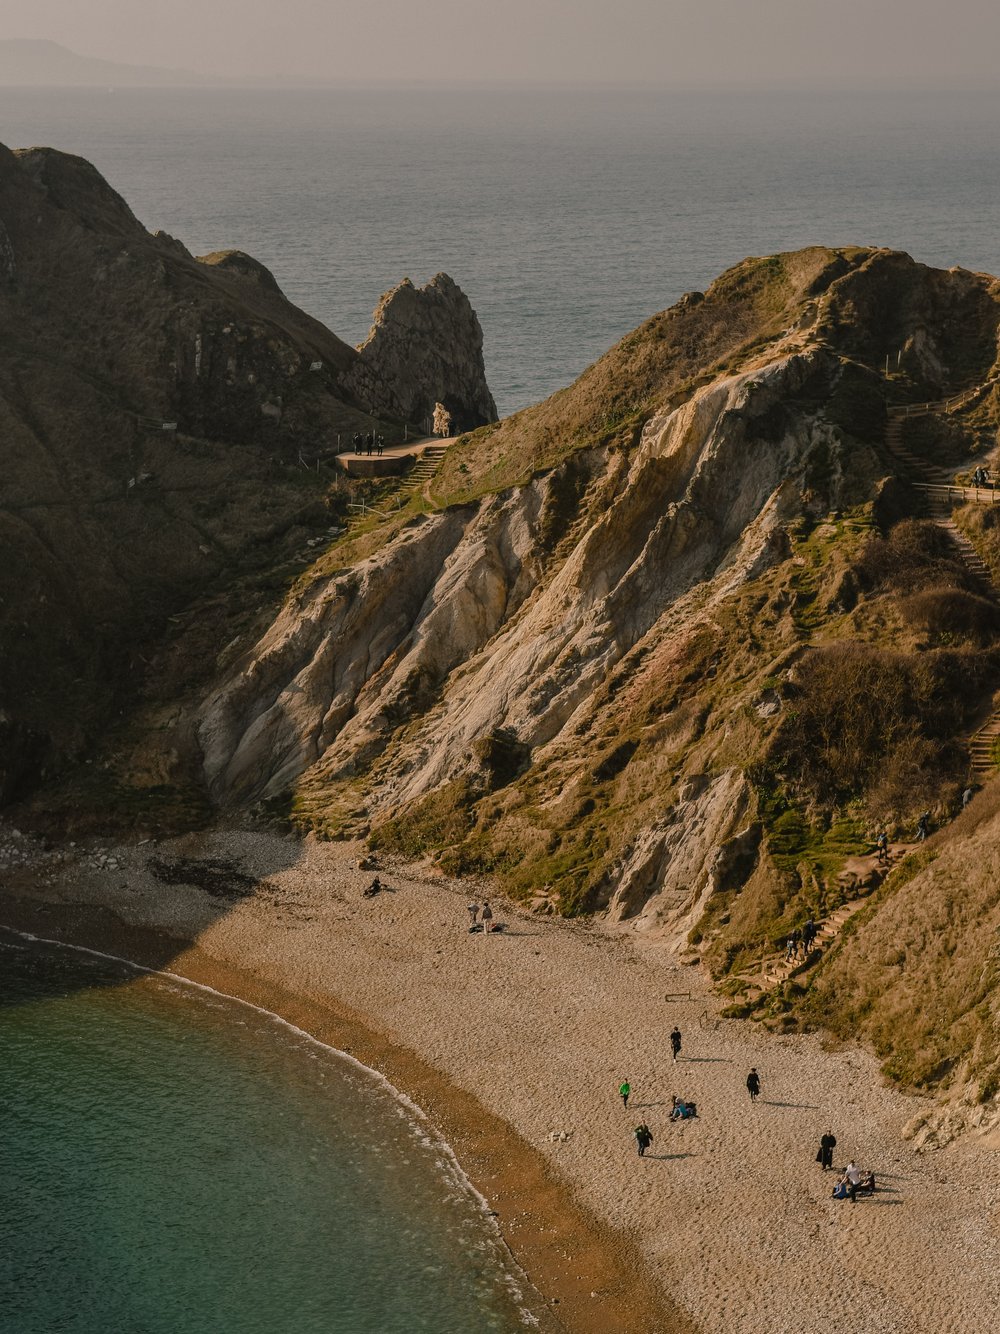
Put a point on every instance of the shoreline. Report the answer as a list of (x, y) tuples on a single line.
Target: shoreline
[(726, 1225), (505, 1174)]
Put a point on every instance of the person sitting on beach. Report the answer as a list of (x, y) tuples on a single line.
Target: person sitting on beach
[(682, 1111), (373, 889)]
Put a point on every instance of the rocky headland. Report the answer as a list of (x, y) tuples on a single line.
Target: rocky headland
[(661, 655)]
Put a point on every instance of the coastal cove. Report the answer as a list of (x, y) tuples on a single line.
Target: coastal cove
[(558, 1249), (501, 1041), (177, 1160)]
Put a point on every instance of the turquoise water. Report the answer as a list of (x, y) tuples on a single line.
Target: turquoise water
[(173, 1162), (567, 216)]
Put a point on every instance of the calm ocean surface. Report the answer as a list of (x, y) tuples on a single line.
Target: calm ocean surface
[(567, 217), (172, 1162)]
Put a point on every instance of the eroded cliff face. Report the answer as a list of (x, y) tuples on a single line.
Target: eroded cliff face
[(423, 359), (570, 679), (402, 671)]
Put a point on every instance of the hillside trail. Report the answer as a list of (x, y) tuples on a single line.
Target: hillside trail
[(861, 876), (429, 455), (941, 494)]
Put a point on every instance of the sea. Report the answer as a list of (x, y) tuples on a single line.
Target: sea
[(567, 215), (173, 1161)]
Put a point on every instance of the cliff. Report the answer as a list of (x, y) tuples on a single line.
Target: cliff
[(155, 414), (669, 647), (663, 647)]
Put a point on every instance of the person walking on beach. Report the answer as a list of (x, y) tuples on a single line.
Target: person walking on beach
[(643, 1137), (827, 1144), (675, 1042), (473, 914), (486, 917), (624, 1089), (753, 1084)]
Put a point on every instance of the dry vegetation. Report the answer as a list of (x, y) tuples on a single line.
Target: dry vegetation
[(664, 360)]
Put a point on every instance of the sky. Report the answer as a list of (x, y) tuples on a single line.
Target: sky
[(665, 42)]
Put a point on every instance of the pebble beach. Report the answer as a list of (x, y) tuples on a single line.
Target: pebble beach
[(515, 1045)]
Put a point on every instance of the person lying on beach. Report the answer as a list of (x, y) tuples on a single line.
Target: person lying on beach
[(846, 1190)]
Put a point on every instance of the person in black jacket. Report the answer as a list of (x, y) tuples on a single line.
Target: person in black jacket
[(753, 1084), (827, 1145)]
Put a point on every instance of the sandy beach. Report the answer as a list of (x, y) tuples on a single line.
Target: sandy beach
[(726, 1225)]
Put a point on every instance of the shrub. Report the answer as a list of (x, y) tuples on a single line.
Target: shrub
[(950, 615), (915, 554), (918, 773), (854, 706)]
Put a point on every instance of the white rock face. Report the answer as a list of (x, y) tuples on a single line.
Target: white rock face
[(462, 625), (675, 865)]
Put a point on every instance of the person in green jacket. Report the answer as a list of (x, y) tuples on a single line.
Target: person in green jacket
[(624, 1089)]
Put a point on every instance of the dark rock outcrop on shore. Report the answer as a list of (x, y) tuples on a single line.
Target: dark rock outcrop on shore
[(425, 351), (155, 413)]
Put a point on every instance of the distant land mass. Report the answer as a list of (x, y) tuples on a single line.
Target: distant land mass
[(28, 62)]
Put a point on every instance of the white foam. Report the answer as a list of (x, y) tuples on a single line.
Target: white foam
[(428, 1136)]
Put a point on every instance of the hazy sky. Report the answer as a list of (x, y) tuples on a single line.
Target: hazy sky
[(662, 41)]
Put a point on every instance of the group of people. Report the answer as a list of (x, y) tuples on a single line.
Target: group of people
[(800, 942), (853, 1179), (981, 477), (849, 1185), (481, 917), (368, 443)]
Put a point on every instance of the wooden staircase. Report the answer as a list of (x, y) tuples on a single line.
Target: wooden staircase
[(425, 467), (940, 496), (776, 968)]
